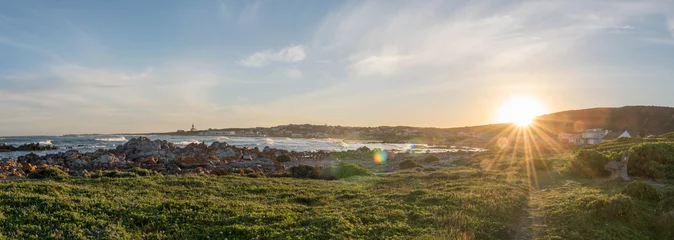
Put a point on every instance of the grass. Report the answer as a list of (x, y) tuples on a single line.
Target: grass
[(583, 211), (445, 204)]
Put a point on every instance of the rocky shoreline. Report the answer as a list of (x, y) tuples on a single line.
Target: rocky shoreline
[(161, 156), (27, 147), (218, 158)]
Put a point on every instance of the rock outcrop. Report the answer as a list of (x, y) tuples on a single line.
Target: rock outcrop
[(159, 155), (27, 147)]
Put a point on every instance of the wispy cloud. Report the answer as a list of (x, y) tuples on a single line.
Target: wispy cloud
[(376, 39), (294, 73), (146, 73), (294, 53)]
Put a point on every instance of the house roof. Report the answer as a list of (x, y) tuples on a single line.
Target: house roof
[(614, 135)]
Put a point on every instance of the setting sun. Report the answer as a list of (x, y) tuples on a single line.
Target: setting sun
[(520, 111)]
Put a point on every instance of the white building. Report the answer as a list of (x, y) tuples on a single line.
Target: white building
[(589, 136)]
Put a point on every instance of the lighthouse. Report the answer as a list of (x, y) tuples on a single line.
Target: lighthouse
[(192, 129)]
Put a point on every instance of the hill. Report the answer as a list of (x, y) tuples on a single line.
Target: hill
[(638, 120)]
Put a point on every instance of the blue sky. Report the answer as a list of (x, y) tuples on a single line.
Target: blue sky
[(140, 66)]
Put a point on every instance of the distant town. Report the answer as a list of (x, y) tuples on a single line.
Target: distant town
[(325, 131), (478, 135)]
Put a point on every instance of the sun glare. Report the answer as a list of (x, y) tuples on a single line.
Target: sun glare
[(520, 111)]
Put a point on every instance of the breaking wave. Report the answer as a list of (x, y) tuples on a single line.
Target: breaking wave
[(48, 142), (112, 139), (343, 144), (269, 141), (186, 142)]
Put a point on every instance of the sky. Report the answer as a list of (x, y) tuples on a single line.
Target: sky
[(81, 66)]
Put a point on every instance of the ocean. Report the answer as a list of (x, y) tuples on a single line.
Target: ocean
[(89, 143)]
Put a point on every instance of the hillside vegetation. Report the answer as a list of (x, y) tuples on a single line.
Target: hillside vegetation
[(638, 120)]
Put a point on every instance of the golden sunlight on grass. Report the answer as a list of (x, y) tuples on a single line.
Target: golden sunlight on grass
[(520, 111)]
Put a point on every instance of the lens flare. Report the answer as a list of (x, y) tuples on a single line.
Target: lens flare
[(380, 156)]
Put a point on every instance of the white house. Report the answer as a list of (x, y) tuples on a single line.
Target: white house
[(617, 134), (589, 136)]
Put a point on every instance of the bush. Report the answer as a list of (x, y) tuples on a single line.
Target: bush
[(619, 206), (431, 158), (652, 160), (665, 225), (407, 164), (279, 175), (254, 175), (48, 172), (283, 158), (667, 135), (305, 171), (543, 164), (642, 191), (667, 201), (344, 170), (143, 172), (112, 174), (588, 163), (247, 170)]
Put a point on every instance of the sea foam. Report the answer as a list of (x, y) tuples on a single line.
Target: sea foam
[(112, 139)]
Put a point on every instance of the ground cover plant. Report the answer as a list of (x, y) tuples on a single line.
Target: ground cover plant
[(451, 203)]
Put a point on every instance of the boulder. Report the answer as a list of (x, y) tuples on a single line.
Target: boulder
[(107, 158)]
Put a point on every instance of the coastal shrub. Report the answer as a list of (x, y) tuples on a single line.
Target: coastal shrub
[(588, 163), (363, 149), (279, 175), (345, 170), (112, 174), (255, 175), (143, 172), (652, 160), (283, 158), (667, 201), (619, 206), (247, 170), (431, 158), (327, 173), (407, 164), (305, 171), (665, 225), (48, 172), (642, 191), (669, 135)]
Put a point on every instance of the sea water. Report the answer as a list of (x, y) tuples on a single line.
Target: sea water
[(89, 143)]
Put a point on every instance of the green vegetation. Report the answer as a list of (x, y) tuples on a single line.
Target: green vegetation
[(642, 191), (431, 159), (305, 171), (389, 206), (588, 163), (583, 211), (345, 170), (48, 172), (283, 158), (407, 164), (652, 160)]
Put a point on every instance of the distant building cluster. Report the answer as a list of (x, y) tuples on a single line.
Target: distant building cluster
[(592, 136)]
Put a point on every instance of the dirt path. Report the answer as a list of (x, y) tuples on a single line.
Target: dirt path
[(533, 219)]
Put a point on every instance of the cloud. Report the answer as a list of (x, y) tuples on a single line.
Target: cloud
[(377, 38), (294, 73), (141, 75), (294, 53)]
